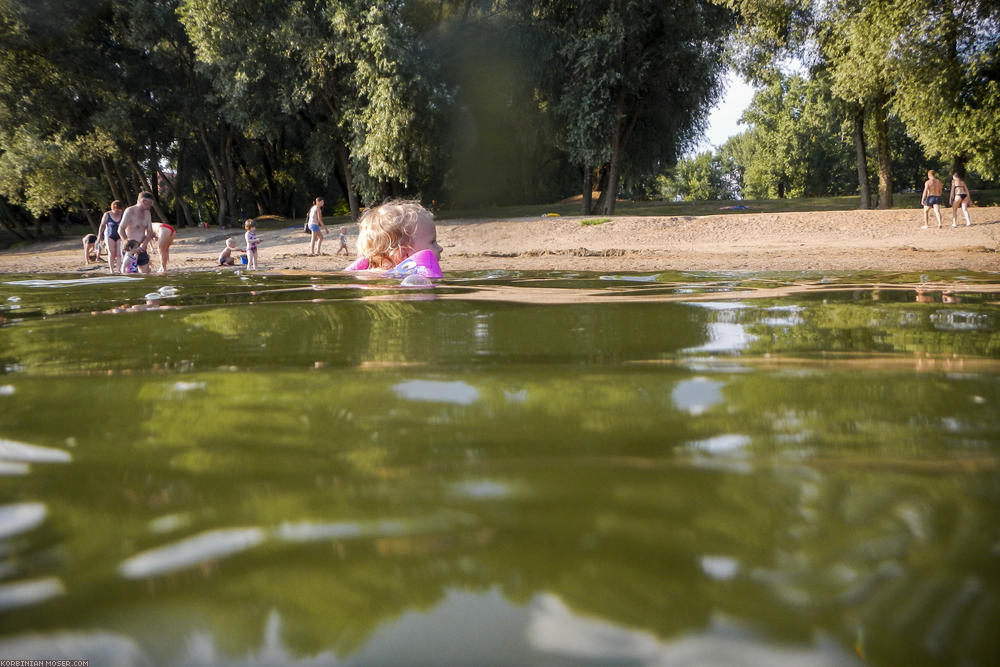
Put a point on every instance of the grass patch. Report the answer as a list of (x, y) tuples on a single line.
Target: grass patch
[(594, 221)]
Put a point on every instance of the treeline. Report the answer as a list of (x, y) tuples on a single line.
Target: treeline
[(888, 89), (225, 108)]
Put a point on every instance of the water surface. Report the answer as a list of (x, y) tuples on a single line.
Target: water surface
[(503, 468)]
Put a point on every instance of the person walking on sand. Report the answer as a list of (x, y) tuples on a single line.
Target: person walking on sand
[(109, 232), (136, 225), (316, 226), (164, 238), (931, 197), (960, 198)]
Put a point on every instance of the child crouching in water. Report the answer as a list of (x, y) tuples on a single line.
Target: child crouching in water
[(398, 237)]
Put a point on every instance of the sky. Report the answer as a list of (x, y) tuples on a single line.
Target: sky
[(722, 121)]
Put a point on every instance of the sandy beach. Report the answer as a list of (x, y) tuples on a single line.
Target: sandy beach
[(817, 241)]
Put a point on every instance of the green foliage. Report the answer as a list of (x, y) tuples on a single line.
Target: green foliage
[(594, 221), (947, 62), (700, 177), (631, 82), (795, 146)]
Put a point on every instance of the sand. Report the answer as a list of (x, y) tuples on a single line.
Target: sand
[(890, 241)]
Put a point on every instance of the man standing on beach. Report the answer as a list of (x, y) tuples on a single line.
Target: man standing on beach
[(931, 197), (137, 224)]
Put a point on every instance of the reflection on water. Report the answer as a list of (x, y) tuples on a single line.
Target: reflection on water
[(516, 468)]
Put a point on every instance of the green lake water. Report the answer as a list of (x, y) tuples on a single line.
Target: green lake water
[(501, 469)]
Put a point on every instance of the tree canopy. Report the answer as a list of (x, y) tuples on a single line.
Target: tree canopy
[(225, 108)]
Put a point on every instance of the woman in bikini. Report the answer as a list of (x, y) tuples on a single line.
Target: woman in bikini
[(164, 237), (960, 197)]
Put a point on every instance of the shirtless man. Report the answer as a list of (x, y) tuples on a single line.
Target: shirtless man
[(931, 197), (137, 224)]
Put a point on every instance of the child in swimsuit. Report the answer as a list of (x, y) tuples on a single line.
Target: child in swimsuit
[(252, 243), (343, 242), (226, 256), (398, 238), (130, 260)]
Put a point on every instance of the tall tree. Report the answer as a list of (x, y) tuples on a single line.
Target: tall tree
[(946, 59), (631, 81)]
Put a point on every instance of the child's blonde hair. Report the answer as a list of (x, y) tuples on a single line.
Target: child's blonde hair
[(249, 223), (384, 230)]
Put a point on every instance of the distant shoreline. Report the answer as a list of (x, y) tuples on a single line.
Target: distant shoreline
[(852, 240)]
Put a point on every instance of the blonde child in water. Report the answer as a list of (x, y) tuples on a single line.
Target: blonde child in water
[(399, 238)]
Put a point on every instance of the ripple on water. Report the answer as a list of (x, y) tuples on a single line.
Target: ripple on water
[(20, 518), (460, 393), (25, 593), (210, 545), (11, 450), (73, 282)]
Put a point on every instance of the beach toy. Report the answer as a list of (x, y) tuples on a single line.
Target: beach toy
[(243, 259)]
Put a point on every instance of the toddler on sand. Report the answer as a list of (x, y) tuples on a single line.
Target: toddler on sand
[(252, 243), (226, 256)]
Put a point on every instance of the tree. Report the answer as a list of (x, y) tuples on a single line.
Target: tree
[(795, 144), (698, 177), (629, 82), (947, 63)]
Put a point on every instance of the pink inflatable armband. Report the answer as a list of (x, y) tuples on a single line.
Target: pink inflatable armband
[(360, 264), (422, 263)]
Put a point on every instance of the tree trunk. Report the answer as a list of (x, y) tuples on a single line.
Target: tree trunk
[(884, 156), (129, 194), (115, 191), (610, 194), (588, 188), (94, 226), (178, 185), (220, 187), (861, 157), (958, 163), (180, 208), (345, 166), (160, 213), (341, 182), (230, 171), (14, 224)]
